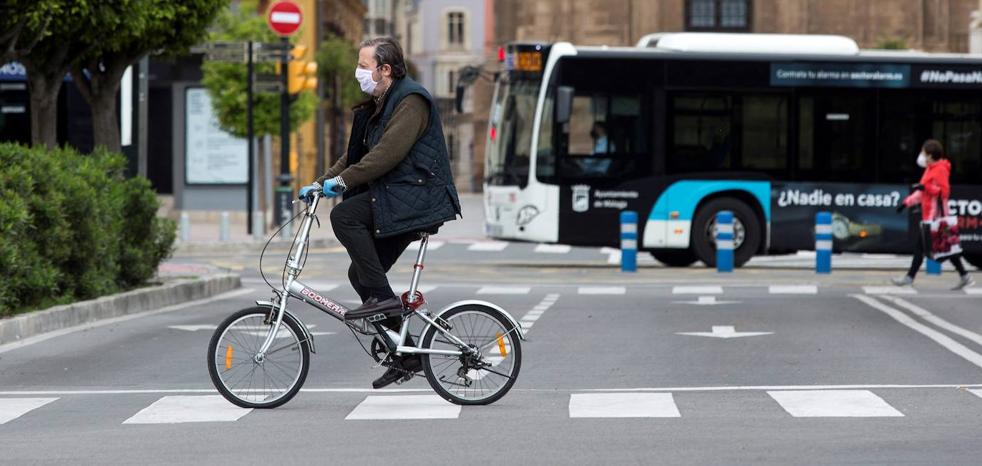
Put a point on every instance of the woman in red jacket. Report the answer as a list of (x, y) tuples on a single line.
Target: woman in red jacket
[(932, 187)]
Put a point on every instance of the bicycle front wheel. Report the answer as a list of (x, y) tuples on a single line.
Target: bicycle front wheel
[(249, 381), (478, 380)]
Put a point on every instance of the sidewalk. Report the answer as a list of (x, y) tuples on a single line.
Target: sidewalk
[(204, 233)]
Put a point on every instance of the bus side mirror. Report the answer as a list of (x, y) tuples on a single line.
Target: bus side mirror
[(564, 104)]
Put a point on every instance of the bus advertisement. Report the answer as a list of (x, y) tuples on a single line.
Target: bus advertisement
[(680, 132)]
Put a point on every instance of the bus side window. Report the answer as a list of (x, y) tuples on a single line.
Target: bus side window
[(605, 137)]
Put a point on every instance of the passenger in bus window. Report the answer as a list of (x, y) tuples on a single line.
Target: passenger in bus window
[(602, 147)]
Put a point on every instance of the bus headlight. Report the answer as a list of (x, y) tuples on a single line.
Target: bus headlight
[(526, 214)]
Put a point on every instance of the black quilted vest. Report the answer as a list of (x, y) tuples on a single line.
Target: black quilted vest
[(419, 193)]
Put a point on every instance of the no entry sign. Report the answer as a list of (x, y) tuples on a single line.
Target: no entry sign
[(284, 17)]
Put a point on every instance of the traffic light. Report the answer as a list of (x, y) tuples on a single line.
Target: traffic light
[(302, 74)]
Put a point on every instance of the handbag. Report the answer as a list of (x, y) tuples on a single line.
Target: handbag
[(939, 236)]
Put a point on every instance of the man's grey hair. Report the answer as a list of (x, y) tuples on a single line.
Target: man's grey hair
[(388, 52)]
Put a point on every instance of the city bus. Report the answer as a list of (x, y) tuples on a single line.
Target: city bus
[(773, 128)]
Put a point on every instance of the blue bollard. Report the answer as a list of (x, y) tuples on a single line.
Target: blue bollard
[(933, 267), (629, 241), (724, 241), (823, 242)]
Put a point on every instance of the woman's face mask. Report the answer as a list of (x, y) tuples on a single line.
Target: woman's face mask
[(921, 160), (365, 80)]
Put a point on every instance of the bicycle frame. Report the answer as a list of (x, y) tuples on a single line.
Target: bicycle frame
[(298, 290)]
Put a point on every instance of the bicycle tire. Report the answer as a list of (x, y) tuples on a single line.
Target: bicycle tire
[(214, 357), (513, 342)]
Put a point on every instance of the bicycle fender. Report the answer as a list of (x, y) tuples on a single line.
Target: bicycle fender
[(306, 333), (476, 302)]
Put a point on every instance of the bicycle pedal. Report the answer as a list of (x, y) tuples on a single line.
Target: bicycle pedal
[(405, 378)]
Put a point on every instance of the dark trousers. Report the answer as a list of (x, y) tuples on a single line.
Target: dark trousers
[(918, 259), (371, 257)]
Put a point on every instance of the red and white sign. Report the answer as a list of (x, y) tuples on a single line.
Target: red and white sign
[(284, 17)]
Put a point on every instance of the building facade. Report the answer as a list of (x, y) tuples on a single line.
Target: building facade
[(441, 37)]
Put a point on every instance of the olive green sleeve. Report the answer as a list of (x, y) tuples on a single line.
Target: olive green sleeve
[(408, 122), (338, 166)]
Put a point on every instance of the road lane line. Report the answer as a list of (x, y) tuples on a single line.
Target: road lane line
[(711, 289), (878, 290), (433, 246), (504, 290), (488, 246), (115, 320), (552, 248), (530, 317), (404, 407), (834, 403), (938, 337), (621, 405), (973, 291), (601, 290), (13, 408), (181, 409), (792, 289), (934, 319), (721, 388)]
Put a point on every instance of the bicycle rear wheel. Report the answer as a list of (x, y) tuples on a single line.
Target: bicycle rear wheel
[(252, 382), (478, 380)]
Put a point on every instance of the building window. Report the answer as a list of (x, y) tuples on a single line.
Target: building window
[(718, 15), (455, 29), (451, 84)]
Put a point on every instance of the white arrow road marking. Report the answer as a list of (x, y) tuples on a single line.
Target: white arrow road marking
[(706, 301), (13, 408), (724, 331)]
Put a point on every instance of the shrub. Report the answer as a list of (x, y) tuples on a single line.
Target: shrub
[(73, 227)]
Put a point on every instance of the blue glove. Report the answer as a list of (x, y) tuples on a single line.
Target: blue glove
[(332, 188), (306, 191)]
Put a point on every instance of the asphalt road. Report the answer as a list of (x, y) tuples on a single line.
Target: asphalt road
[(620, 369)]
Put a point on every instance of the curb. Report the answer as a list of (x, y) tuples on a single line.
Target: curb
[(217, 248), (130, 302)]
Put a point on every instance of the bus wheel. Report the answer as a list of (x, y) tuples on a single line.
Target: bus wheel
[(746, 231), (974, 259), (675, 257)]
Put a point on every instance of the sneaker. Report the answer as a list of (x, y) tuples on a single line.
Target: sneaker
[(964, 282), (388, 307), (903, 281), (403, 367)]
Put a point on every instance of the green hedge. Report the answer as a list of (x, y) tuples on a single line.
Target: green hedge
[(72, 227)]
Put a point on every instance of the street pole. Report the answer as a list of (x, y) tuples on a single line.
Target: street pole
[(250, 136), (284, 191)]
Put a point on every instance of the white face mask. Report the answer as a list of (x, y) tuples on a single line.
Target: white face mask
[(921, 160), (365, 80)]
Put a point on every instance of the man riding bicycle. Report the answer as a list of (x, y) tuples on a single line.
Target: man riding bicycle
[(396, 181)]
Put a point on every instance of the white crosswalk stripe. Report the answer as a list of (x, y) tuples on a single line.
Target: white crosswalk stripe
[(701, 290), (792, 289), (504, 290), (889, 290), (404, 407), (13, 408), (605, 290), (833, 403), (973, 291), (492, 246), (607, 405), (553, 248), (181, 409)]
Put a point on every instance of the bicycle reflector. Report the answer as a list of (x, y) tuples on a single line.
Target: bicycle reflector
[(501, 345), (228, 357)]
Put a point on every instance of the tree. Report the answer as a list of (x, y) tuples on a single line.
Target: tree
[(139, 27), (62, 30), (22, 24), (336, 62), (226, 82)]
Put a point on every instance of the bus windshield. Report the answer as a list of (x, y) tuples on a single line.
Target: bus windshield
[(510, 135)]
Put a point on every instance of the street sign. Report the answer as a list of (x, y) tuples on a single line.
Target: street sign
[(284, 17)]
